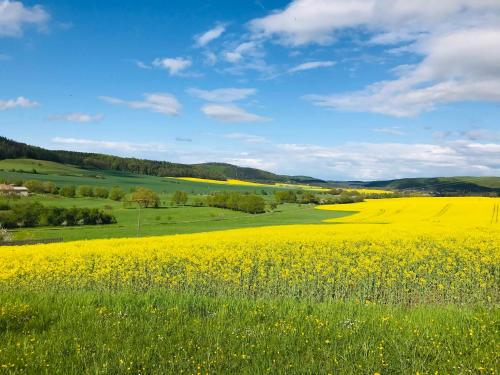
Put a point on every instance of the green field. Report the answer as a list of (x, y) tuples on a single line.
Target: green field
[(153, 222), (169, 220), (166, 333)]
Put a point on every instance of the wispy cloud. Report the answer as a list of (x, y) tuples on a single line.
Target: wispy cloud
[(393, 130), (77, 117), (20, 102), (174, 66), (311, 65), (91, 144), (247, 138), (230, 113), (210, 35), (164, 103), (14, 16), (224, 95), (183, 139)]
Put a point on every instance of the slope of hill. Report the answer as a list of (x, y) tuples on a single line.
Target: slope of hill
[(442, 185), (10, 149)]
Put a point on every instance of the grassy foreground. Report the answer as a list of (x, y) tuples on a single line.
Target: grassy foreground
[(158, 333)]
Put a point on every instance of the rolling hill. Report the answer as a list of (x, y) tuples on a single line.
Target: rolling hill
[(10, 149)]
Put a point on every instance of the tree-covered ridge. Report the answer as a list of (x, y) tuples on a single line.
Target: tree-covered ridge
[(10, 149)]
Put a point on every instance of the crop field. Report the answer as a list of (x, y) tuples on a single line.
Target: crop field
[(419, 212), (402, 286), (234, 182)]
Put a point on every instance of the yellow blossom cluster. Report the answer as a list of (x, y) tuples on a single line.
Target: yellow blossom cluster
[(399, 251)]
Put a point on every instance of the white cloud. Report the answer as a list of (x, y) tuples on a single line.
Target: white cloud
[(175, 66), (77, 117), (14, 16), (369, 161), (224, 95), (458, 41), (230, 113), (393, 130), (210, 35), (164, 103), (247, 138), (90, 144), (319, 21), (246, 48), (311, 65), (20, 101), (142, 65), (463, 65)]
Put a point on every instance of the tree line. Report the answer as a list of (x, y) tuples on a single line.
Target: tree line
[(33, 214)]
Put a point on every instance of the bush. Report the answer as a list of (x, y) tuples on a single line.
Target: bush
[(34, 186), (68, 191), (179, 198), (236, 201), (86, 191), (101, 192), (49, 187), (116, 194), (34, 214), (286, 196)]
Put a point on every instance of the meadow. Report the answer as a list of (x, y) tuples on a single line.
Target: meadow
[(403, 286)]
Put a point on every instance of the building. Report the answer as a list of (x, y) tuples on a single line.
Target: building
[(6, 189)]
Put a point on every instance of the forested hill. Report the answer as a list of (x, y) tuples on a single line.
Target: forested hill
[(442, 185), (10, 149)]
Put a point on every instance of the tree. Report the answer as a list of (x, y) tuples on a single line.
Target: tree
[(35, 186), (86, 191), (101, 192), (68, 191), (286, 196), (179, 198), (116, 193), (145, 197), (49, 187)]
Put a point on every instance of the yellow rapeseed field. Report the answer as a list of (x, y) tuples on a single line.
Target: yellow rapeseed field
[(229, 181), (402, 251), (281, 185)]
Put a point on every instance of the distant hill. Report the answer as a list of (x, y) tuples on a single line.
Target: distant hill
[(441, 185), (10, 149)]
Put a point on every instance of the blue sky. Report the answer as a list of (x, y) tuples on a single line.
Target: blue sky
[(360, 89)]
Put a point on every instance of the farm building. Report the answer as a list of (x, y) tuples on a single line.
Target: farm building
[(6, 189)]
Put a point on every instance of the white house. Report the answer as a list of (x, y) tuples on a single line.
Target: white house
[(6, 189)]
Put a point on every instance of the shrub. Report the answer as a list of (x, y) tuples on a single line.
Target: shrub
[(286, 196), (101, 192), (116, 193), (236, 201), (68, 191), (86, 191), (179, 198)]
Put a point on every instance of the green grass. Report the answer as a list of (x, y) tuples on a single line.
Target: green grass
[(160, 332), (168, 220), (41, 166)]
